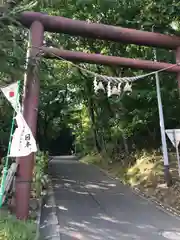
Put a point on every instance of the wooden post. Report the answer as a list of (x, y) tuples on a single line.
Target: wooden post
[(30, 110)]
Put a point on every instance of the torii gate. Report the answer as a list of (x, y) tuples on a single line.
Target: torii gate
[(40, 22)]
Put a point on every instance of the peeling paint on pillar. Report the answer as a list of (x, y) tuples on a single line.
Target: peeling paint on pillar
[(26, 164)]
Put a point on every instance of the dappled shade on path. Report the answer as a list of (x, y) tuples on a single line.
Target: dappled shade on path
[(91, 206)]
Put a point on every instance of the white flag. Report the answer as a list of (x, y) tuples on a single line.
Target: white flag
[(11, 93), (23, 142)]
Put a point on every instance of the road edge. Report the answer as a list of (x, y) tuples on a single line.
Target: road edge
[(52, 224)]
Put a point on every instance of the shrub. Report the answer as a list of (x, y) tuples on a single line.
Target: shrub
[(40, 177), (13, 229)]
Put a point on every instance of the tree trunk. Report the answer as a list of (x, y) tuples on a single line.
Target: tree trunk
[(126, 148), (92, 117)]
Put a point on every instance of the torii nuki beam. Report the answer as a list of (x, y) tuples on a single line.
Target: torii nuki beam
[(108, 60)]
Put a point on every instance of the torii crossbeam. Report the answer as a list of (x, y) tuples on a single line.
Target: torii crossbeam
[(73, 56), (99, 31)]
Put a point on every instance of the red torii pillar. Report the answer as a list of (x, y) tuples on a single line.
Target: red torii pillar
[(30, 111)]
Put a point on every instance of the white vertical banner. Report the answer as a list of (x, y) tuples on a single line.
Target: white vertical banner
[(23, 142), (12, 94)]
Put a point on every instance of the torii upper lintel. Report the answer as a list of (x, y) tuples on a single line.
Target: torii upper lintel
[(99, 31)]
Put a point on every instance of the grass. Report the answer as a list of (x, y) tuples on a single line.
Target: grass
[(146, 174), (146, 167), (10, 227), (13, 229), (92, 159)]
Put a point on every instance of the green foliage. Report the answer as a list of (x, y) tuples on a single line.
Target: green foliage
[(40, 178), (13, 229), (112, 129), (92, 159), (67, 98)]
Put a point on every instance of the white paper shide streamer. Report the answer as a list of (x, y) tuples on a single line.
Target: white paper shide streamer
[(23, 142), (12, 95)]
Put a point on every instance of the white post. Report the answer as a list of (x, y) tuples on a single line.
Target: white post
[(162, 128), (161, 121), (26, 66)]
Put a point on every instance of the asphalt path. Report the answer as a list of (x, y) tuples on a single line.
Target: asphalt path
[(86, 204)]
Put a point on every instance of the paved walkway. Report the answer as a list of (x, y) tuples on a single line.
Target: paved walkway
[(85, 204)]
